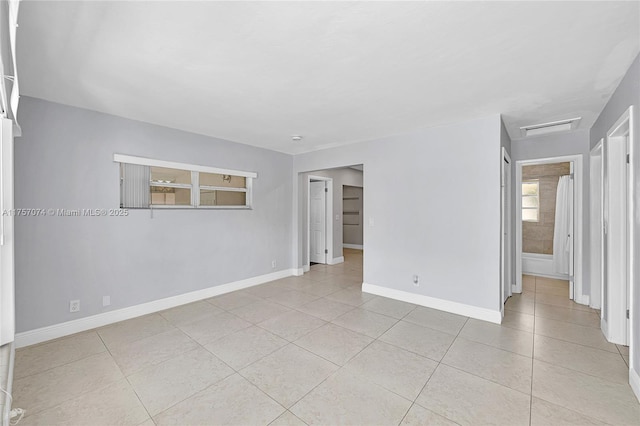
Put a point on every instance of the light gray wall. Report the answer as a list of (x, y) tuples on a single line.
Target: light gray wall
[(418, 189), (627, 94), (65, 160), (340, 176), (557, 145)]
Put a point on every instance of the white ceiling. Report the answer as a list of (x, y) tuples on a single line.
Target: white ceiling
[(334, 72)]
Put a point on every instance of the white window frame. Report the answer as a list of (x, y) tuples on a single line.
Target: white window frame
[(195, 181), (537, 182)]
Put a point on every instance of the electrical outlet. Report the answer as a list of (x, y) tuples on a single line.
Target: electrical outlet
[(416, 281), (273, 264), (106, 300), (74, 306)]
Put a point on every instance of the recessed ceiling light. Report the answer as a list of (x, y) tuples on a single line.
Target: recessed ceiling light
[(551, 127), (296, 138)]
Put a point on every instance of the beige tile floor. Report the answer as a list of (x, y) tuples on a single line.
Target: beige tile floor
[(316, 350)]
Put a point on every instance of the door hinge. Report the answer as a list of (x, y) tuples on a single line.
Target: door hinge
[(326, 251), (627, 314), (628, 158), (326, 190)]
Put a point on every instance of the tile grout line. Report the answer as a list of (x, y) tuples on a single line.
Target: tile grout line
[(434, 370), (533, 350)]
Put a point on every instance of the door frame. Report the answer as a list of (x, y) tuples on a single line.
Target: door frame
[(328, 219), (596, 200), (578, 185), (618, 336), (505, 227)]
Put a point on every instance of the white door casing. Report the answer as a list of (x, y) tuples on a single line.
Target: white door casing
[(577, 254), (596, 226)]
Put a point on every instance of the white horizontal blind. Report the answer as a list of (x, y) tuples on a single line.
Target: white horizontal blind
[(135, 191)]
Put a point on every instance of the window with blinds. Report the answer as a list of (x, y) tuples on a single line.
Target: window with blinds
[(147, 183)]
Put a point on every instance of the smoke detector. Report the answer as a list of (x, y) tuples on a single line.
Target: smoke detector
[(551, 127)]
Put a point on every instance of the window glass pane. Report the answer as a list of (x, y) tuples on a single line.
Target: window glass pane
[(162, 195), (164, 175), (207, 197), (529, 201), (229, 181), (530, 215), (530, 188), (225, 198), (222, 198)]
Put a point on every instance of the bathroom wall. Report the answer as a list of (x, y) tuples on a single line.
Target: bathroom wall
[(537, 237)]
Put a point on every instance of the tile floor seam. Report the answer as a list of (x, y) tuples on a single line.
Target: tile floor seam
[(569, 341), (138, 397), (60, 365), (533, 354), (434, 370), (577, 413), (578, 344), (581, 372)]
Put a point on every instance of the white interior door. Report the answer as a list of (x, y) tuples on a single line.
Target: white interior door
[(317, 222), (7, 280), (615, 324), (506, 227)]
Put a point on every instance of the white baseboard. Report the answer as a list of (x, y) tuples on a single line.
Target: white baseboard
[(432, 302), (582, 299), (353, 246), (298, 272), (634, 381), (55, 331), (306, 268), (336, 260)]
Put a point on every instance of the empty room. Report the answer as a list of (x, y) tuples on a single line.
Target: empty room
[(319, 213)]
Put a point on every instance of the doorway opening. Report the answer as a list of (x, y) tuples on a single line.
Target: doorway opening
[(332, 212), (549, 226), (617, 248)]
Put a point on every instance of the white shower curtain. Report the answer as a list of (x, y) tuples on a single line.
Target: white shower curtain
[(562, 233)]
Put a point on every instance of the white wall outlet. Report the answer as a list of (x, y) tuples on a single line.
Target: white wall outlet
[(106, 300), (74, 305), (416, 281), (337, 217), (273, 264)]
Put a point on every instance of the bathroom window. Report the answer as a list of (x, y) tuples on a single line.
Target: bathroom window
[(147, 183), (531, 201)]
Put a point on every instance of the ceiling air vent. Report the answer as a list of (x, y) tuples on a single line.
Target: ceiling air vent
[(552, 127)]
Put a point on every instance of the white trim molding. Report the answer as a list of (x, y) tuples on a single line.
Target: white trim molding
[(336, 260), (353, 246), (55, 331), (634, 381), (144, 161), (578, 173), (476, 312)]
